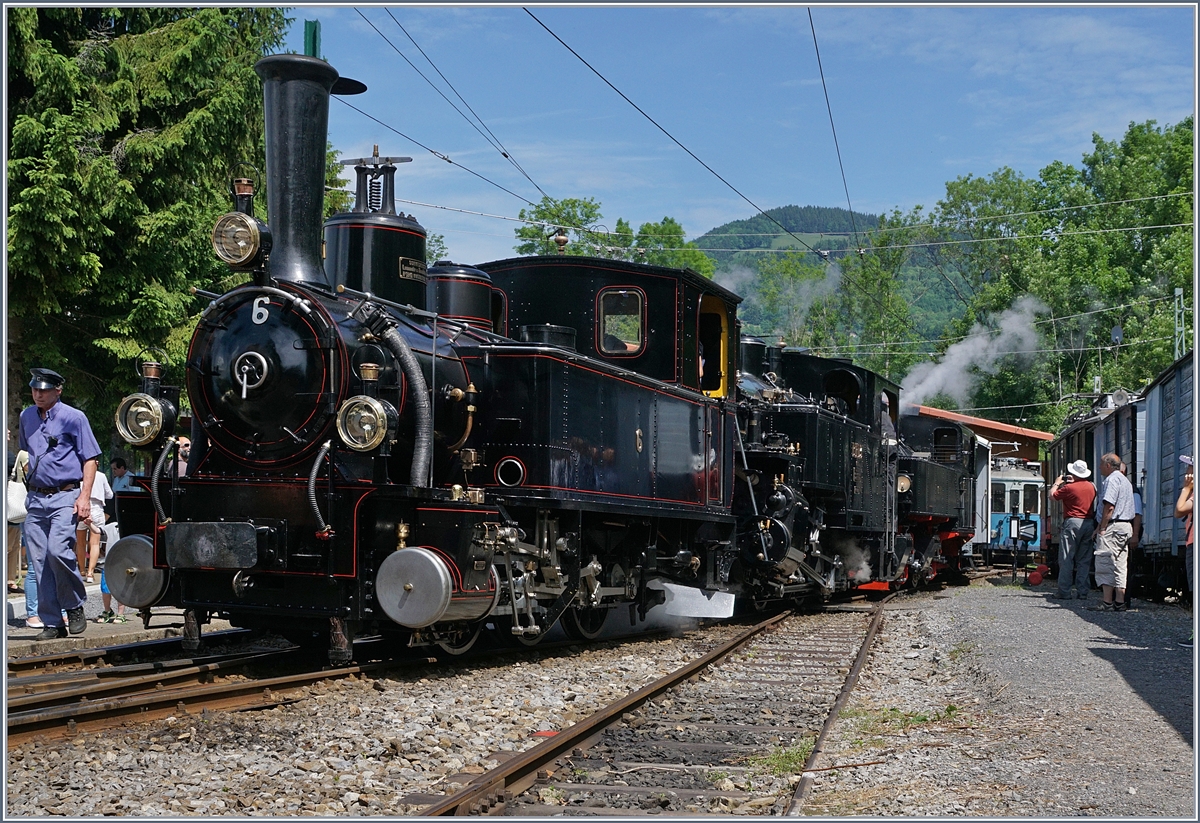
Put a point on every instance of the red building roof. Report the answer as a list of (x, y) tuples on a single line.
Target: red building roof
[(981, 425)]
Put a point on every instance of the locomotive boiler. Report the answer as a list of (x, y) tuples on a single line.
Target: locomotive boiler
[(379, 447)]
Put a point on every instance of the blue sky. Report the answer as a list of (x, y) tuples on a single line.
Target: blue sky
[(920, 95)]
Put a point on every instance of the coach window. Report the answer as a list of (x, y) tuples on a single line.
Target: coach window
[(998, 497), (1032, 496), (622, 328)]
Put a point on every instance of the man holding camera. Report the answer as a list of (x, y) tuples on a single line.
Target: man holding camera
[(63, 455), (1075, 538)]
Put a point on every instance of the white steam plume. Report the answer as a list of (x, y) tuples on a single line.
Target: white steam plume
[(795, 298), (738, 280), (855, 559), (954, 375)]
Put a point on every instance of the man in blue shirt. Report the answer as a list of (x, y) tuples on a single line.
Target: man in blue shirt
[(63, 455)]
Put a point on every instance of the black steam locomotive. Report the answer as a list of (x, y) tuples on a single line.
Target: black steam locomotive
[(382, 448)]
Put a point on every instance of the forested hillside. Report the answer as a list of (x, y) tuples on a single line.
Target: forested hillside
[(1010, 297), (830, 228)]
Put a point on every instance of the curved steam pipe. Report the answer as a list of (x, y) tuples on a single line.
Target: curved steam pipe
[(158, 467), (418, 473), (383, 326)]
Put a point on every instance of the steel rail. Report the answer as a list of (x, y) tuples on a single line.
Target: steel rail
[(43, 681), (95, 654), (58, 721), (806, 776), (520, 772), (132, 683)]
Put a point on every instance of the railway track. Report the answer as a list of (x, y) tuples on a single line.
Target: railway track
[(737, 728), (114, 655), (88, 690)]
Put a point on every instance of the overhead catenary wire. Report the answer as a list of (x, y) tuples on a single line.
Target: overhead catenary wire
[(1069, 350), (434, 152), (821, 253), (1043, 236), (946, 224), (942, 340), (829, 108), (839, 233), (670, 136), (784, 251), (979, 218), (490, 136)]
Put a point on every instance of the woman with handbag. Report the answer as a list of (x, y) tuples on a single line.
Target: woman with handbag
[(15, 509)]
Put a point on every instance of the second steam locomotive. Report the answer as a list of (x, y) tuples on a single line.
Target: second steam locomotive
[(381, 448)]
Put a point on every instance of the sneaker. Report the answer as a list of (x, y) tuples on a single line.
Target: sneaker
[(1061, 596), (51, 633), (34, 623), (89, 579), (76, 621), (1187, 644), (1101, 607), (1081, 596), (105, 617)]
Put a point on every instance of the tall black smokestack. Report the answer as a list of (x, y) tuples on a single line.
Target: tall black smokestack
[(296, 114)]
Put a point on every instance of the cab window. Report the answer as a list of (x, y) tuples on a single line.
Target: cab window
[(622, 331), (1031, 498)]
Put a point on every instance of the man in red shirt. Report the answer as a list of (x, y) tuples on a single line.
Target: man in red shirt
[(1075, 539)]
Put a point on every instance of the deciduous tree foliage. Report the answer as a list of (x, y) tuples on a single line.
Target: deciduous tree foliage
[(659, 243), (124, 128), (1101, 245)]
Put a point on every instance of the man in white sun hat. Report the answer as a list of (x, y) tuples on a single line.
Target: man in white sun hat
[(1075, 539)]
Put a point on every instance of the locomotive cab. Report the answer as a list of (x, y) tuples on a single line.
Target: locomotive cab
[(672, 325)]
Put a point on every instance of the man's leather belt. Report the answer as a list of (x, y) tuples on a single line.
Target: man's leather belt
[(65, 487), (1121, 521)]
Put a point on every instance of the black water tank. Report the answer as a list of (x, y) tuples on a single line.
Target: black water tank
[(377, 252), (461, 293), (773, 359), (752, 355)]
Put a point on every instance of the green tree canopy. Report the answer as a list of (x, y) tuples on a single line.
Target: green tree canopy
[(661, 243), (124, 127), (1098, 246)]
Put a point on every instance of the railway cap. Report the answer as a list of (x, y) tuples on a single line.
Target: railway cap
[(46, 379), (1079, 469)]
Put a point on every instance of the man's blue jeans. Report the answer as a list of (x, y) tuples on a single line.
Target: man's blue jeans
[(1075, 545)]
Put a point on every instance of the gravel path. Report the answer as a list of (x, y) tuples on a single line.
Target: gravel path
[(996, 700)]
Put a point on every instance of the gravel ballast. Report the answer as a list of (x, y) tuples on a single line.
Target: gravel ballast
[(997, 700), (988, 700)]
